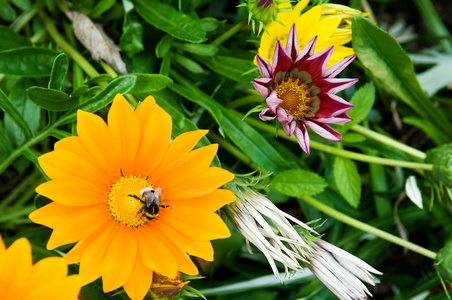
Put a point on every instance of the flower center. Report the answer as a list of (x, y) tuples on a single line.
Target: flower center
[(123, 201), (295, 95)]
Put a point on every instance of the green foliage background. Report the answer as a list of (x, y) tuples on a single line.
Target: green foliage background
[(195, 57)]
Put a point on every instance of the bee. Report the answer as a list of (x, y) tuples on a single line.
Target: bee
[(151, 200)]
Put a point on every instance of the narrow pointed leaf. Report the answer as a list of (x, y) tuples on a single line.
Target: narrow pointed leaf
[(8, 107), (170, 20)]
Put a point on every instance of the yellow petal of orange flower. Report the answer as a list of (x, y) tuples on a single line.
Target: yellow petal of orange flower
[(97, 142), (140, 280), (125, 136), (196, 247), (152, 249), (208, 201), (206, 226), (193, 164), (212, 179), (154, 141), (47, 279), (73, 192), (100, 180), (115, 275)]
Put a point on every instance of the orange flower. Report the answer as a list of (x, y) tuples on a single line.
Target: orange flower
[(132, 201), (47, 279)]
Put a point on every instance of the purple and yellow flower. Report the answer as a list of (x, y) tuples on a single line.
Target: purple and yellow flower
[(300, 90)]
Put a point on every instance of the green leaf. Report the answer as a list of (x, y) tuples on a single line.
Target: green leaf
[(131, 41), (170, 20), (101, 7), (347, 180), (188, 63), (7, 12), (247, 139), (27, 61), (147, 83), (353, 138), (8, 107), (164, 46), (387, 61), (121, 84), (298, 183), (363, 100), (181, 124), (199, 49), (50, 99), (11, 39), (24, 5), (240, 70), (27, 109), (59, 71)]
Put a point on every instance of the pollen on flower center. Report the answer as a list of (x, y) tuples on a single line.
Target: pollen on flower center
[(125, 209), (295, 95)]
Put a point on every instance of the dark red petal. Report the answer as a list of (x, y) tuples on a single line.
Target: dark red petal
[(262, 84), (307, 52), (332, 106), (324, 130), (335, 85), (343, 118), (264, 66), (292, 42), (338, 67), (302, 136), (316, 64), (281, 60)]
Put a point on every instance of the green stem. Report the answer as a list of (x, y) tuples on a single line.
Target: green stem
[(389, 141), (67, 48), (368, 158), (340, 152), (233, 30), (367, 228)]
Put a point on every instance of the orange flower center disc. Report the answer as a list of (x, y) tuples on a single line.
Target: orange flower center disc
[(295, 95), (124, 208)]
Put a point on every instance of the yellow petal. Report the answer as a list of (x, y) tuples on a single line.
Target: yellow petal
[(119, 260), (47, 270), (154, 253), (66, 288), (193, 164), (15, 269), (124, 131), (154, 141), (144, 110), (93, 257), (184, 263), (196, 247), (178, 148), (197, 223), (74, 145), (306, 25), (72, 192), (95, 137), (70, 224), (64, 164), (140, 280), (211, 201), (212, 179)]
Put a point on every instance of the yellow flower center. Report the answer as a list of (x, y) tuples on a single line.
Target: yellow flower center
[(124, 207), (295, 95)]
